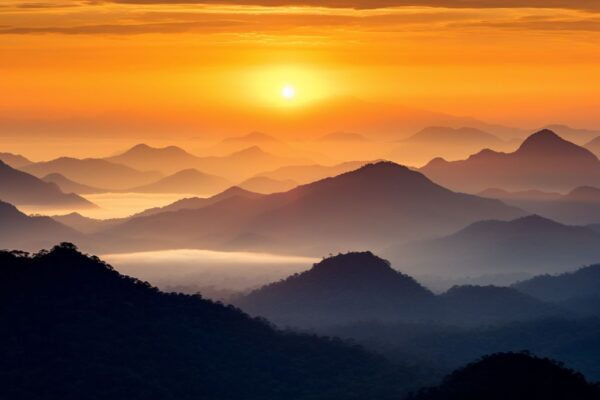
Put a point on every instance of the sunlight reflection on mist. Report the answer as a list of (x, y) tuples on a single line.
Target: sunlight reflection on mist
[(192, 270)]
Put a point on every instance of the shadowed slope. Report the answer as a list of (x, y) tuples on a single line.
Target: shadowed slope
[(18, 230), (21, 188), (531, 244), (514, 376)]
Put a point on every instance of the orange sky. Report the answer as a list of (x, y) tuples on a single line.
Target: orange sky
[(160, 69)]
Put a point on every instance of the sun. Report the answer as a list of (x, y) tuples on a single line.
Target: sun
[(288, 92)]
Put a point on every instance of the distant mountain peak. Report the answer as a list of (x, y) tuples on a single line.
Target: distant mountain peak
[(250, 151), (548, 144), (584, 193), (353, 262)]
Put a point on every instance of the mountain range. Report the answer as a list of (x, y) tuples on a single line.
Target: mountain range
[(376, 204), (236, 166), (580, 206), (94, 172), (21, 188), (544, 161), (14, 160)]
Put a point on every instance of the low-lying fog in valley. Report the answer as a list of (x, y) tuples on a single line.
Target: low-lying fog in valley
[(215, 274)]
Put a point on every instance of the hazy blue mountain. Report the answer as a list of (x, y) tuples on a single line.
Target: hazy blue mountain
[(530, 244), (584, 282), (473, 305), (580, 206)]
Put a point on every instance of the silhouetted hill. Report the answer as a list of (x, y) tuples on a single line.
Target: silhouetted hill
[(474, 305), (94, 172), (21, 188), (530, 244), (543, 161), (69, 186), (585, 282), (14, 160), (186, 181), (345, 288), (377, 204), (357, 288), (266, 185), (512, 376), (79, 329), (168, 160), (19, 230)]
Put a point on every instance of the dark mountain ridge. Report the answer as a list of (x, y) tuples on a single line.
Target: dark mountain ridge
[(360, 287), (99, 326)]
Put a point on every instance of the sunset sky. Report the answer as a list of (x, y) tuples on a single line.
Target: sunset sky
[(168, 69)]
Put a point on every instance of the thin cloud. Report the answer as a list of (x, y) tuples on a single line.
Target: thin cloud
[(591, 5)]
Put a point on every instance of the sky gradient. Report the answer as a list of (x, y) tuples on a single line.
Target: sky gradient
[(171, 70)]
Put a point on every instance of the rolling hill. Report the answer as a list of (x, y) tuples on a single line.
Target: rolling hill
[(167, 160), (187, 181)]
